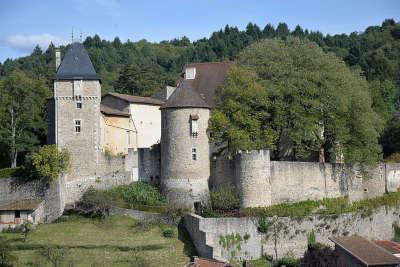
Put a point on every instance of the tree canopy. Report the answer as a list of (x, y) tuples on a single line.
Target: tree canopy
[(291, 95)]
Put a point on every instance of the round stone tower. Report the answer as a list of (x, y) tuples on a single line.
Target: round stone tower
[(185, 159)]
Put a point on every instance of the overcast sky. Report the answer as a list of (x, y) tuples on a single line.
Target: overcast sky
[(26, 23)]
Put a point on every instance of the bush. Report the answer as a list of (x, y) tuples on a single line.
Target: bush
[(287, 261), (321, 255), (8, 172), (94, 203), (225, 198), (48, 162), (168, 233), (394, 158), (139, 193), (311, 241), (6, 258), (396, 233)]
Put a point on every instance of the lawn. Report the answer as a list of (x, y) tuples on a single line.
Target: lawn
[(114, 241)]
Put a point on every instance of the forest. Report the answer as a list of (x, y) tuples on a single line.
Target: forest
[(142, 68)]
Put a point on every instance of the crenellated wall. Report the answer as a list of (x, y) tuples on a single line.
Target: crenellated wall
[(262, 182)]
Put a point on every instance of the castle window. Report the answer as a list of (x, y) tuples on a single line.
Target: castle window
[(194, 125), (194, 153), (78, 126), (79, 104), (77, 86), (190, 73)]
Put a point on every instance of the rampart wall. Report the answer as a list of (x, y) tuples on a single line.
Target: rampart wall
[(262, 182)]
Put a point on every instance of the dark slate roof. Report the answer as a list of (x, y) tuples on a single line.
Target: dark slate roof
[(112, 111), (185, 96), (209, 76), (138, 99), (365, 251), (76, 64)]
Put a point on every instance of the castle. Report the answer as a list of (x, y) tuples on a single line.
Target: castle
[(118, 139)]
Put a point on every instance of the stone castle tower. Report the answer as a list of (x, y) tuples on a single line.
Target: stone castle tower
[(75, 111), (185, 152)]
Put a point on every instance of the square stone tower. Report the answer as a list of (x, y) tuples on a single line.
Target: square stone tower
[(76, 111)]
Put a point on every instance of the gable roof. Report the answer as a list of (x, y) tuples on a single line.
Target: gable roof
[(137, 99), (209, 76), (23, 204), (185, 96), (365, 251), (76, 65), (112, 111)]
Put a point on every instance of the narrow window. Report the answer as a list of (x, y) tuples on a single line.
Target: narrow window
[(78, 126), (194, 125), (17, 214), (79, 104), (129, 137), (194, 153)]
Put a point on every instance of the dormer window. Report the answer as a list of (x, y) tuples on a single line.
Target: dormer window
[(194, 125), (190, 73)]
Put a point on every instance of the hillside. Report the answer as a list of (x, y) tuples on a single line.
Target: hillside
[(143, 67)]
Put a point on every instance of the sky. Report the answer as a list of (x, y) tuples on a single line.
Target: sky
[(26, 23)]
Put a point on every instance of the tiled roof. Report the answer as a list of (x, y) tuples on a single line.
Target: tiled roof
[(138, 99), (365, 251), (76, 65), (24, 204), (185, 96), (202, 262), (390, 246), (209, 76), (112, 111)]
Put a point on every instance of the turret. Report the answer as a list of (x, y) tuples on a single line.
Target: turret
[(185, 166)]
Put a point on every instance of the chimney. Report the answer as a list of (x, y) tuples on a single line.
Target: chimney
[(190, 73), (58, 58)]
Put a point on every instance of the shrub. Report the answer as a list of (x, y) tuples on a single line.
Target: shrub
[(321, 255), (311, 241), (55, 256), (168, 233), (94, 203), (396, 233), (48, 162), (225, 198), (139, 193), (8, 172), (263, 225), (6, 258), (288, 261)]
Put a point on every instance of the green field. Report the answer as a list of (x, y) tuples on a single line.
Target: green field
[(114, 241)]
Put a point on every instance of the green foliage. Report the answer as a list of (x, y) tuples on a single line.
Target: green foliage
[(8, 172), (396, 237), (326, 207), (138, 194), (225, 198), (168, 233), (311, 241), (296, 93), (22, 108), (6, 258), (48, 162), (288, 261), (94, 203), (232, 243), (263, 225)]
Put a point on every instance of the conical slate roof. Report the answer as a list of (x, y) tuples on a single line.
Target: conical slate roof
[(76, 65), (185, 96)]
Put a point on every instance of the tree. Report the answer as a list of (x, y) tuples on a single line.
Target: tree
[(282, 30), (242, 117), (48, 162), (22, 109), (314, 102)]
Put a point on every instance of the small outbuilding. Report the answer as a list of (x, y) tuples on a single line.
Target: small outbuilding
[(15, 213), (357, 251)]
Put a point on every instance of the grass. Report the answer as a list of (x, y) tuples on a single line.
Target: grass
[(114, 241), (332, 206), (8, 172)]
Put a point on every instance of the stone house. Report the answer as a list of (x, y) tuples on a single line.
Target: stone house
[(15, 213)]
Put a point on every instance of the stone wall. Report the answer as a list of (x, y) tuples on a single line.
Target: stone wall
[(149, 165), (12, 189), (262, 182), (289, 235), (208, 234)]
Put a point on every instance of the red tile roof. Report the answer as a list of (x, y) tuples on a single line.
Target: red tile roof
[(390, 246), (137, 99), (202, 262)]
